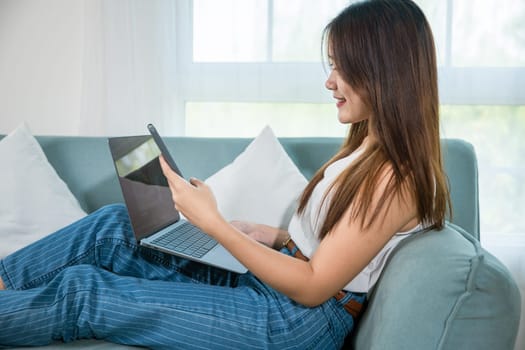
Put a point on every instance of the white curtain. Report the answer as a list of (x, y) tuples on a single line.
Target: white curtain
[(87, 67), (128, 66)]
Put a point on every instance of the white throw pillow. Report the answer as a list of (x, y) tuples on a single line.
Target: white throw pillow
[(34, 201), (261, 185)]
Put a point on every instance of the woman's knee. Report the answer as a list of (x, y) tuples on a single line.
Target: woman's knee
[(111, 221), (77, 278), (113, 210), (112, 214)]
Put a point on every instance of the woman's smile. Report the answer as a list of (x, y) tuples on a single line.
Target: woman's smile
[(340, 101)]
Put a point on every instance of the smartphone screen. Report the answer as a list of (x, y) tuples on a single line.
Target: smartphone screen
[(163, 149)]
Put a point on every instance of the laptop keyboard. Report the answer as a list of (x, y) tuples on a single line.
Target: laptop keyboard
[(187, 239)]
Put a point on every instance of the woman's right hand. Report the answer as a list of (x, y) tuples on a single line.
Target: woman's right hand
[(271, 236)]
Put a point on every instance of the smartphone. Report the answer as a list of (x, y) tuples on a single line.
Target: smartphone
[(163, 149)]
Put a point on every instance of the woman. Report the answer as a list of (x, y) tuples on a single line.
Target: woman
[(385, 183)]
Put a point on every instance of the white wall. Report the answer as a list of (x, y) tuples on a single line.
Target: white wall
[(41, 44)]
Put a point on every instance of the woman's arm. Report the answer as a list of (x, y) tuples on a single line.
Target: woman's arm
[(340, 257), (270, 236)]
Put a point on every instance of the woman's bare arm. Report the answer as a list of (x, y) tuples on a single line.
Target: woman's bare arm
[(341, 255), (270, 236)]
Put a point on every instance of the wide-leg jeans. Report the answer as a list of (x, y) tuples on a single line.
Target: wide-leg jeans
[(92, 280)]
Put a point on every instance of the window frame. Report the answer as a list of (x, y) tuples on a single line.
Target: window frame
[(304, 81)]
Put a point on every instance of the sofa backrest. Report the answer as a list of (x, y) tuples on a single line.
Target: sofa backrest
[(84, 163)]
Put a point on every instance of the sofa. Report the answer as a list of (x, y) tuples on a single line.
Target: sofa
[(439, 290)]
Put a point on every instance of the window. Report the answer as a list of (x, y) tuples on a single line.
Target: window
[(260, 30), (242, 64), (246, 119), (496, 134), (499, 44)]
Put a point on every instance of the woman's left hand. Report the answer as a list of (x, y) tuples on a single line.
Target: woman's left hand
[(270, 236), (194, 199)]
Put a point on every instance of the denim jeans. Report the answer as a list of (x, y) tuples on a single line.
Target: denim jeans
[(92, 280)]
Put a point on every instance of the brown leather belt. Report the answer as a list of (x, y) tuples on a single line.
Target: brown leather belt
[(353, 307)]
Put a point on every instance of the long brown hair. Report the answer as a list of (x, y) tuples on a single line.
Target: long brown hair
[(384, 49)]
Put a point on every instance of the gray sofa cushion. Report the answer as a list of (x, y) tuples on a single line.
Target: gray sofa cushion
[(467, 294)]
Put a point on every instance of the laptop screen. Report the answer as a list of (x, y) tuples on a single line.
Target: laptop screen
[(144, 186)]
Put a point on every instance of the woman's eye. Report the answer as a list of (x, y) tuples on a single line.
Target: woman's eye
[(331, 62)]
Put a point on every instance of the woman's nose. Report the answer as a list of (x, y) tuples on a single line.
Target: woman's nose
[(330, 82)]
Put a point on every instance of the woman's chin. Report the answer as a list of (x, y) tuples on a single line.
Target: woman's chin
[(344, 119)]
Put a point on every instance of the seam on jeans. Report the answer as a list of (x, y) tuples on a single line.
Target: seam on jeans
[(154, 255), (121, 242), (210, 315), (335, 312), (56, 271), (73, 261), (8, 283), (261, 329), (159, 257), (326, 328), (186, 309)]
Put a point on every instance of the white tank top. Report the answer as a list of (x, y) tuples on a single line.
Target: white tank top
[(304, 228)]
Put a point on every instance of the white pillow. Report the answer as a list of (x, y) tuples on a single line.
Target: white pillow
[(261, 185), (34, 201)]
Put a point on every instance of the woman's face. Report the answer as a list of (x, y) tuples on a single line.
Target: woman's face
[(350, 106)]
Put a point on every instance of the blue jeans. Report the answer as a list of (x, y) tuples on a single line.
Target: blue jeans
[(92, 280)]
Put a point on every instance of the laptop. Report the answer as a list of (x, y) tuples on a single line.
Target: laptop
[(155, 221)]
